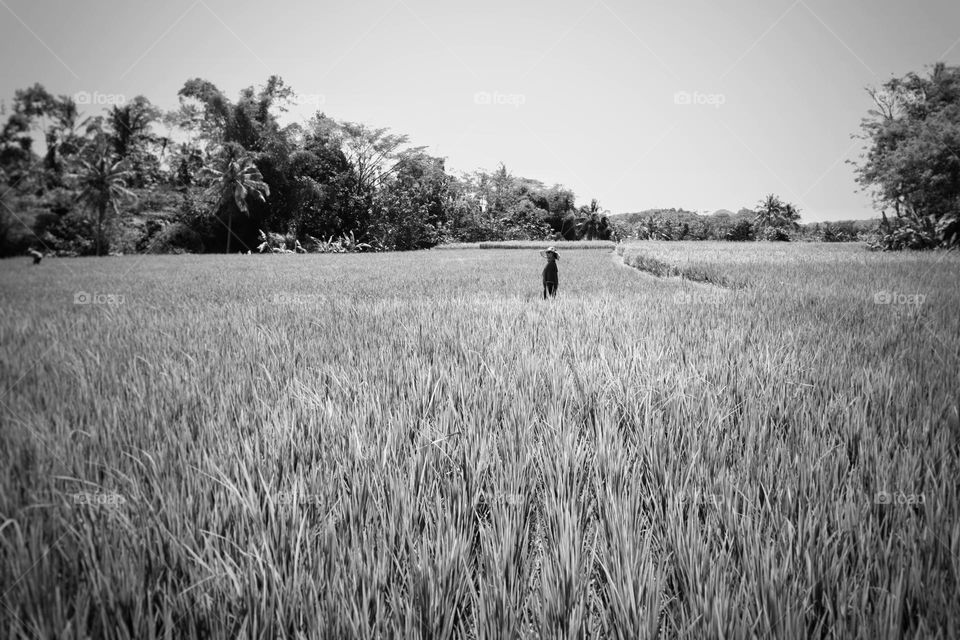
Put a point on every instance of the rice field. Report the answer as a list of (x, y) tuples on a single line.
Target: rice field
[(417, 445)]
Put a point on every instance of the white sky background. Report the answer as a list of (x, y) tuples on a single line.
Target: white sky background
[(582, 93)]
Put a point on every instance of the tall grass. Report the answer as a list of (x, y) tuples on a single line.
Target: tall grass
[(415, 445)]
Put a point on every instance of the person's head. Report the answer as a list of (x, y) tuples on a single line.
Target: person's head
[(551, 254)]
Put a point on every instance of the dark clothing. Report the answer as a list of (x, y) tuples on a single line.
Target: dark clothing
[(551, 279), (550, 273)]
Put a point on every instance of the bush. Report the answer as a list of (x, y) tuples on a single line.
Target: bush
[(838, 233), (71, 234), (774, 234), (176, 238), (742, 232), (199, 214), (158, 201), (147, 233), (127, 239), (15, 238), (913, 231)]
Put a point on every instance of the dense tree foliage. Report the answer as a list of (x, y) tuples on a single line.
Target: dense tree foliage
[(912, 160), (229, 174)]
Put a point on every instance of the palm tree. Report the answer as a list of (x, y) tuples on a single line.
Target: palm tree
[(593, 223), (102, 186), (235, 177), (65, 140), (773, 212)]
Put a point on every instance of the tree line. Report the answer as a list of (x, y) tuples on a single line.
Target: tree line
[(226, 174), (771, 219)]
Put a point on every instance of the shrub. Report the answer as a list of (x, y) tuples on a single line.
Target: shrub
[(15, 238), (741, 232), (774, 234), (158, 201), (839, 232), (176, 238), (198, 213), (914, 231), (71, 234), (128, 239)]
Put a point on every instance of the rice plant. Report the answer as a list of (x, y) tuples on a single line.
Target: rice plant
[(416, 445)]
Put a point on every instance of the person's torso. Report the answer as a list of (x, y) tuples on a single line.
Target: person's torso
[(550, 273)]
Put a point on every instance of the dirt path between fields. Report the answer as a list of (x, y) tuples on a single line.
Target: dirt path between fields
[(705, 286)]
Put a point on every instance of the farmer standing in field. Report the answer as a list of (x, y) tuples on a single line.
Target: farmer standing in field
[(551, 278)]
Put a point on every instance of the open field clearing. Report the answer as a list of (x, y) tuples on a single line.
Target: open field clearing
[(416, 445), (780, 267)]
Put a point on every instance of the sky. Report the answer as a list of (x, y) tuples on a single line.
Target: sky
[(638, 103)]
